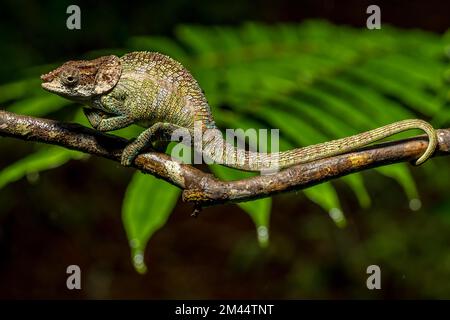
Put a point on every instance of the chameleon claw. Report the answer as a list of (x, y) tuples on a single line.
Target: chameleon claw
[(130, 153), (127, 157), (126, 161)]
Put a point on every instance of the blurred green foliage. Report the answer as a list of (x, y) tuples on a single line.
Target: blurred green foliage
[(314, 81)]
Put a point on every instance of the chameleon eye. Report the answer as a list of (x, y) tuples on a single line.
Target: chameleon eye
[(69, 79)]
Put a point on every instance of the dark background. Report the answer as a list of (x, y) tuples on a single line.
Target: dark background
[(72, 215)]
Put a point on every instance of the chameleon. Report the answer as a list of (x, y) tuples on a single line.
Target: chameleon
[(157, 93)]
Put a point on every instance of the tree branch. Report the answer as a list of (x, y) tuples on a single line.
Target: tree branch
[(203, 188)]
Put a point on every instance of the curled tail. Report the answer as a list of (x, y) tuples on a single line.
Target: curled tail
[(233, 157)]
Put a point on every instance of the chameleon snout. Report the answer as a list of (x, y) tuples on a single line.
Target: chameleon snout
[(48, 77), (47, 82)]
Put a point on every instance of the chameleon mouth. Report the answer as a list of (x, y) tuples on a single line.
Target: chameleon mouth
[(53, 87), (46, 78), (48, 83), (48, 86)]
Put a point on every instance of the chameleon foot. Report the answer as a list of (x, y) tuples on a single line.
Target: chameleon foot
[(144, 140), (129, 154)]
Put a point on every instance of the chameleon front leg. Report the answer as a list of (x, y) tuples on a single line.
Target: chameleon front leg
[(103, 121), (114, 123), (155, 132), (116, 116), (95, 116)]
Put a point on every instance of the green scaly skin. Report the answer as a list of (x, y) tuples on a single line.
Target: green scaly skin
[(158, 93)]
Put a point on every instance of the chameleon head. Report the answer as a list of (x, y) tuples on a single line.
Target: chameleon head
[(83, 79)]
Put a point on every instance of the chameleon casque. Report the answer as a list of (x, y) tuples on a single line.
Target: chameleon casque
[(158, 93)]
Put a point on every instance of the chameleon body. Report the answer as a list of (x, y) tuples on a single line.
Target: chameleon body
[(158, 93)]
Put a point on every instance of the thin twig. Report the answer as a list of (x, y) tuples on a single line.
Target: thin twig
[(203, 188)]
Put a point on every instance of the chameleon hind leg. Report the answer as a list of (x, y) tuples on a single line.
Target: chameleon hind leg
[(157, 132)]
